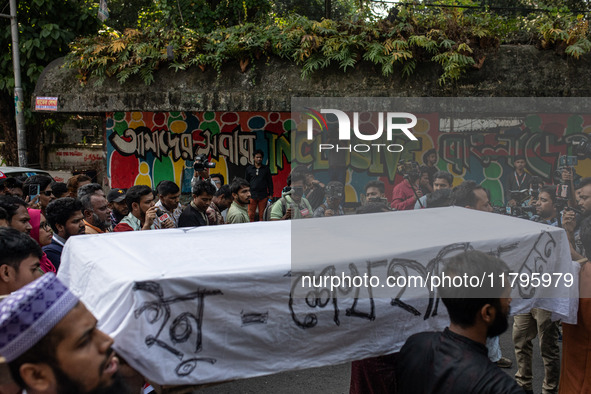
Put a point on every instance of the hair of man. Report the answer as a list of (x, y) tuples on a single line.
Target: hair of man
[(222, 179), (463, 195), (42, 180), (224, 192), (445, 176), (584, 182), (203, 186), (135, 194), (88, 189), (75, 180), (301, 169), (551, 190), (166, 188), (238, 184), (463, 302), (297, 176), (377, 184), (60, 210), (11, 204), (16, 246), (59, 189), (12, 183), (259, 152), (428, 153)]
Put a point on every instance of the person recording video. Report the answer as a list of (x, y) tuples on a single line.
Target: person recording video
[(406, 193), (201, 167)]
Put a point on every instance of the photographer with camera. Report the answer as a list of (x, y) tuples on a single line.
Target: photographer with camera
[(538, 322), (292, 204), (335, 194), (201, 168), (407, 192)]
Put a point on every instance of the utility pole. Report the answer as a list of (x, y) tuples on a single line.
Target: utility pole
[(18, 89)]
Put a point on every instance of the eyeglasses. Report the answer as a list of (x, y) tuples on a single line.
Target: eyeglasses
[(47, 193), (45, 226)]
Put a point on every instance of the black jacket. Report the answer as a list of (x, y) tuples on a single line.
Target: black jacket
[(261, 185)]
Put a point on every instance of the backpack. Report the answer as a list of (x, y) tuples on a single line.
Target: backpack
[(269, 207)]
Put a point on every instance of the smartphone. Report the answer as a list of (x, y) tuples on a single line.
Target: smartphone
[(34, 190)]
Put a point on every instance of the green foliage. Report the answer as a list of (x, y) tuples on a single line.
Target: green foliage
[(203, 15), (46, 27), (455, 38)]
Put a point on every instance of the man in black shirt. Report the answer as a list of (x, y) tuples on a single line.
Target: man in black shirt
[(194, 214), (261, 185), (456, 360), (517, 180)]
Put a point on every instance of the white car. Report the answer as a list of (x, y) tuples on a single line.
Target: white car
[(10, 172)]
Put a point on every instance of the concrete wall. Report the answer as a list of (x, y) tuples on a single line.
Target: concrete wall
[(518, 71)]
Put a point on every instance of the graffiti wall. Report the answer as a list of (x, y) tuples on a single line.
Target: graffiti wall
[(144, 148), (147, 147), (484, 156)]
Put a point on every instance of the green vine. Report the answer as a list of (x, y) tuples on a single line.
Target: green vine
[(453, 38)]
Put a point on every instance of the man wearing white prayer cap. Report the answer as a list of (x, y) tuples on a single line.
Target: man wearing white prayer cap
[(52, 345)]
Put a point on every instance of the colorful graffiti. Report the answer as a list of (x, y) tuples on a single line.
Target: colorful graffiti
[(485, 157), (148, 147)]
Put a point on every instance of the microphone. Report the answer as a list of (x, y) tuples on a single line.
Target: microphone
[(162, 216)]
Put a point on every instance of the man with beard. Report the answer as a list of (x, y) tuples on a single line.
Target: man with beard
[(195, 214), (471, 195), (66, 220), (97, 215), (456, 360), (238, 211), (17, 215), (538, 322), (222, 199), (52, 345), (142, 210), (117, 205)]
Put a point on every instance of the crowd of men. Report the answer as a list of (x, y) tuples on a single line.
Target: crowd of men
[(51, 344)]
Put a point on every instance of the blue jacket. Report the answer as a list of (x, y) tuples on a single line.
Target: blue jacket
[(54, 253)]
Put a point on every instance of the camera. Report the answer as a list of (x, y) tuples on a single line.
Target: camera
[(518, 212), (582, 148), (334, 191), (201, 163), (409, 169), (534, 187)]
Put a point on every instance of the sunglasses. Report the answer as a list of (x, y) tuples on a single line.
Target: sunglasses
[(47, 193)]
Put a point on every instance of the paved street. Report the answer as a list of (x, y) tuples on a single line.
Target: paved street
[(335, 379)]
